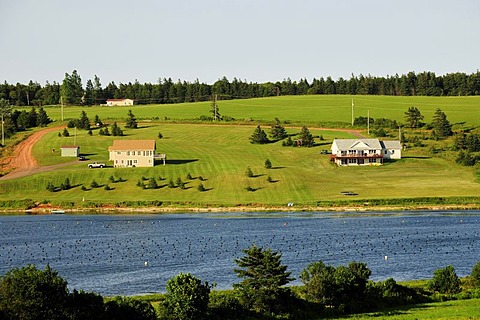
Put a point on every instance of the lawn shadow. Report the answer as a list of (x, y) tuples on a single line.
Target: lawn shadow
[(258, 175), (180, 161), (413, 157), (277, 167)]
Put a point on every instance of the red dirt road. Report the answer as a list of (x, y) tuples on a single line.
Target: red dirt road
[(22, 163)]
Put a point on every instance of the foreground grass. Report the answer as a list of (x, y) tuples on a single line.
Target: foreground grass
[(221, 155), (454, 309)]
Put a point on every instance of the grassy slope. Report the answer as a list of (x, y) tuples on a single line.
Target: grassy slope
[(315, 108), (221, 154)]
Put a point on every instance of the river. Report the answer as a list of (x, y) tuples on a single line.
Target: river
[(137, 254)]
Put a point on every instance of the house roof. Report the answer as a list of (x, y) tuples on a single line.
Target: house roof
[(69, 147), (357, 144), (391, 144), (125, 145), (118, 99)]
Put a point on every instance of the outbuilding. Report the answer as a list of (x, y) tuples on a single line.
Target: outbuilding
[(70, 151)]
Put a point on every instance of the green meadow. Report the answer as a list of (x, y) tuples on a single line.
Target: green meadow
[(220, 154), (335, 109)]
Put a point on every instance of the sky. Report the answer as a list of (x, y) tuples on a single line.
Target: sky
[(252, 40)]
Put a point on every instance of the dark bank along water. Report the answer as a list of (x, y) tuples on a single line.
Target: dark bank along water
[(135, 254)]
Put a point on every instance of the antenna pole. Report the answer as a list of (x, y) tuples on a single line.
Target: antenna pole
[(61, 105), (368, 122)]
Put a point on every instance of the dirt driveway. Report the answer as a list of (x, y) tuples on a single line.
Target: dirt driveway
[(22, 163)]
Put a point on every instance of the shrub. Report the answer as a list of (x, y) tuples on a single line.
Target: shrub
[(65, 133), (141, 184), (180, 183), (249, 172), (111, 179), (200, 187), (171, 184), (153, 183), (107, 187), (187, 297), (90, 132), (201, 178), (189, 176), (83, 188), (94, 184), (123, 308), (445, 281), (269, 179), (50, 187), (160, 136)]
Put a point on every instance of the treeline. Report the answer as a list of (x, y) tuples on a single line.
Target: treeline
[(262, 293), (71, 90)]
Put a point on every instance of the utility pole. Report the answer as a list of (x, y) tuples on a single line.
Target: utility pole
[(352, 112), (3, 132), (368, 122), (61, 103), (75, 137)]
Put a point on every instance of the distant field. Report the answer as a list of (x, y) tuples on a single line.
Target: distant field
[(307, 109), (221, 154)]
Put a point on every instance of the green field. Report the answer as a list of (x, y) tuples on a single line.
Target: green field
[(458, 309), (305, 109), (221, 155)]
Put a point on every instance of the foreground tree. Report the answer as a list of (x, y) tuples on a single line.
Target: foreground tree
[(445, 280), (475, 275), (186, 298), (30, 293), (259, 136), (413, 117), (71, 89), (264, 277)]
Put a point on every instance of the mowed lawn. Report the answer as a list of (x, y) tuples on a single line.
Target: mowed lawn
[(306, 109), (221, 155)]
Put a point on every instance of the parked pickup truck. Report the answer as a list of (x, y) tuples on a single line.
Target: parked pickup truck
[(96, 165)]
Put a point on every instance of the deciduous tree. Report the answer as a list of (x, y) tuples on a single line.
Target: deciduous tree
[(445, 280), (187, 297)]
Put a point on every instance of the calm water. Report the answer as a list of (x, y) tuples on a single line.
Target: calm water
[(107, 254)]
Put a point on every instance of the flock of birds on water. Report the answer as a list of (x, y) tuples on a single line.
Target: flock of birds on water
[(212, 244)]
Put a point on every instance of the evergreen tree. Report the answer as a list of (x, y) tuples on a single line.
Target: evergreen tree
[(413, 117), (264, 277), (98, 121), (66, 133), (131, 121), (42, 118), (32, 118), (259, 136), (153, 183), (441, 126), (116, 131), (306, 137), (88, 98), (71, 89), (277, 131), (97, 91), (268, 164), (84, 122)]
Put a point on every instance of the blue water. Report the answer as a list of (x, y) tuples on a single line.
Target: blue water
[(107, 254)]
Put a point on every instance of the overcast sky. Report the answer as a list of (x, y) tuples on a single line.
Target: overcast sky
[(253, 40)]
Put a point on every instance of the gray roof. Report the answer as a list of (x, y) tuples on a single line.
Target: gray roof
[(358, 144), (391, 144)]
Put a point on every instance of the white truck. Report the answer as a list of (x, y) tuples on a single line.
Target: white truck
[(96, 165)]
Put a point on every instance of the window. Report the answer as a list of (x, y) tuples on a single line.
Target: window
[(344, 153), (393, 151), (128, 153), (119, 152), (352, 160), (386, 151), (372, 160), (135, 161)]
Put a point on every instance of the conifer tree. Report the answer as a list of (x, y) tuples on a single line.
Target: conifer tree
[(278, 132), (441, 126), (259, 136), (306, 137), (131, 121)]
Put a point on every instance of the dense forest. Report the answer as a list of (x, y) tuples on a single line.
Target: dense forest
[(72, 92)]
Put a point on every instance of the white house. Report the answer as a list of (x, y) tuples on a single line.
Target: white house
[(119, 102), (352, 152)]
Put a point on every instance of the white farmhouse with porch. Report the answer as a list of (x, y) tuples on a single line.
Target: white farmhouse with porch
[(364, 152)]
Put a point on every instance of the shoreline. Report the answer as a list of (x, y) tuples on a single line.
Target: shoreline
[(109, 209)]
